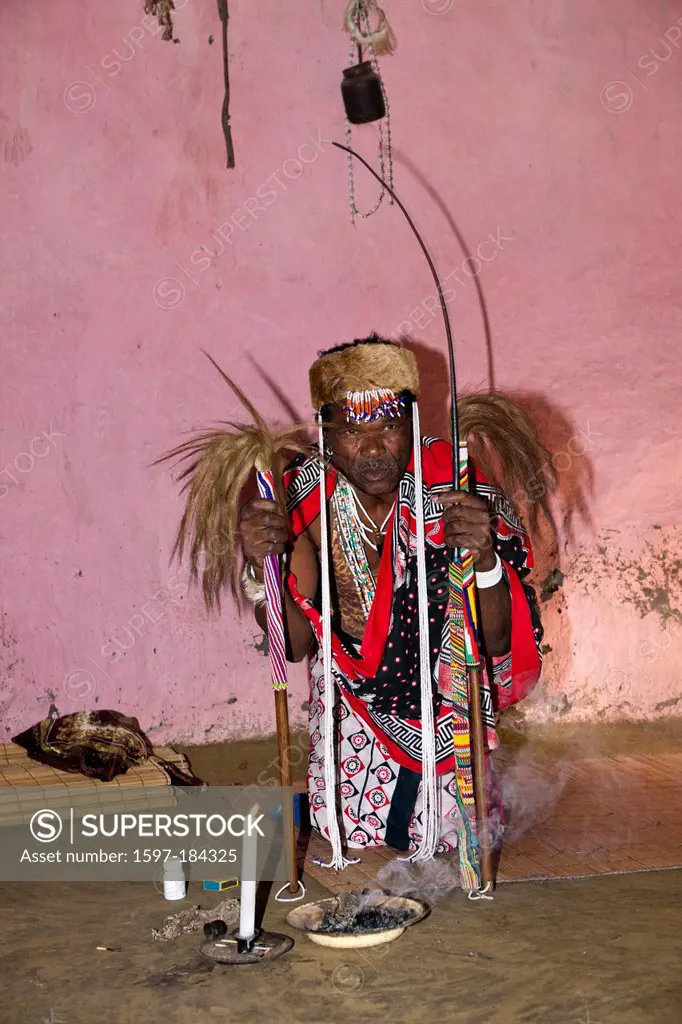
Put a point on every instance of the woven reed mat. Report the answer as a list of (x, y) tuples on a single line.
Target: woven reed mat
[(578, 818), (23, 782)]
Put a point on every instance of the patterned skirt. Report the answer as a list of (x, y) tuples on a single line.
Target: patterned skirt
[(373, 792)]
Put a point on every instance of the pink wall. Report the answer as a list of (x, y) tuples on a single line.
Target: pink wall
[(552, 127)]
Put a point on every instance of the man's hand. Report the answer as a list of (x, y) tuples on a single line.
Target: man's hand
[(264, 530), (467, 525)]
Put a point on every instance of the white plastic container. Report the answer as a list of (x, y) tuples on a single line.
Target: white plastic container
[(174, 881)]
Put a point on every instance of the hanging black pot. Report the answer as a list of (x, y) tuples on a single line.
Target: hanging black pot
[(362, 94)]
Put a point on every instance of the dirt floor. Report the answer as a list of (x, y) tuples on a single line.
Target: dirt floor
[(597, 950), (602, 950)]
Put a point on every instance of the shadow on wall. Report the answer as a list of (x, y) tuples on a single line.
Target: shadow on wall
[(468, 257), (570, 446), (434, 404)]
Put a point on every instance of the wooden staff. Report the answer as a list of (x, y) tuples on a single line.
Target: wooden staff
[(480, 780), (471, 618), (285, 780)]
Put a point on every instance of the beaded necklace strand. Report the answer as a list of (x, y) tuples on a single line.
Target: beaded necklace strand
[(370, 528), (352, 537)]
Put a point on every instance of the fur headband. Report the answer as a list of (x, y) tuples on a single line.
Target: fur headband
[(376, 367)]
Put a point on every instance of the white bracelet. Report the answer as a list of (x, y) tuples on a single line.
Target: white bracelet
[(254, 591), (492, 577)]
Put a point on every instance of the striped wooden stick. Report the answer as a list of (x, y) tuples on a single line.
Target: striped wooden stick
[(475, 852), (273, 599)]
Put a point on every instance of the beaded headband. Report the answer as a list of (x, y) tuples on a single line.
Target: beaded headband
[(366, 406)]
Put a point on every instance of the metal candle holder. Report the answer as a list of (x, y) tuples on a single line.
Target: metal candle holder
[(235, 950)]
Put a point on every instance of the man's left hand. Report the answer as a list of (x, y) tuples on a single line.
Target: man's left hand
[(467, 525)]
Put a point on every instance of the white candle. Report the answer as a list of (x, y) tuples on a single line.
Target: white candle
[(247, 904)]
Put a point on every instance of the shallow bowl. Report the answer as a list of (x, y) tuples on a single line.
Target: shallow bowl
[(308, 919)]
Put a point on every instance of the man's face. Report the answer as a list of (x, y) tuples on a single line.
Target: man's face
[(373, 456)]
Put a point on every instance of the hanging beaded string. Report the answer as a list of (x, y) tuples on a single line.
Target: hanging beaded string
[(367, 527), (383, 128), (352, 544)]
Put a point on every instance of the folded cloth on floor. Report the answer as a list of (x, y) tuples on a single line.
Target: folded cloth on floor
[(98, 744)]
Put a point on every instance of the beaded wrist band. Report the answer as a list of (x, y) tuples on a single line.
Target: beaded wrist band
[(490, 578)]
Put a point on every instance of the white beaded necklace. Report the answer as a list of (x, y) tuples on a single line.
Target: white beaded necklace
[(358, 510)]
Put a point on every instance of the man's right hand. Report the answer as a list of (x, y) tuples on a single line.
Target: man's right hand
[(264, 530)]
